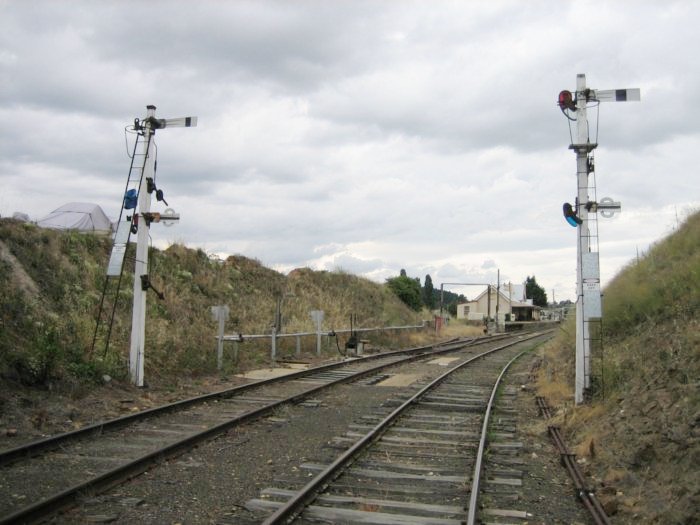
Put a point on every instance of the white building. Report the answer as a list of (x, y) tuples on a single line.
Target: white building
[(510, 303)]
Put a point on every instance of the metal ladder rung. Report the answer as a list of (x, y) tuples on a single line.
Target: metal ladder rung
[(120, 241)]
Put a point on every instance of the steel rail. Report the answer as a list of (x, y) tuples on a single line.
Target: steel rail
[(295, 505), (66, 498), (34, 448), (476, 478), (568, 461), (543, 407)]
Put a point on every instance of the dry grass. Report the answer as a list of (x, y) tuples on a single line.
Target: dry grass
[(554, 377), (639, 435), (48, 339), (457, 329)]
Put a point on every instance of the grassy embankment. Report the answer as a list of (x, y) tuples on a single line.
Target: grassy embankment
[(51, 283), (639, 438)]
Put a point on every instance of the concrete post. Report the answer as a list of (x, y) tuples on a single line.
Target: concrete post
[(273, 351), (220, 314), (317, 317)]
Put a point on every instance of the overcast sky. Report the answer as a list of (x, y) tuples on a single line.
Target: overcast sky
[(363, 136)]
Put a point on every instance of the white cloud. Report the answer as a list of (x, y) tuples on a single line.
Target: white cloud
[(363, 135)]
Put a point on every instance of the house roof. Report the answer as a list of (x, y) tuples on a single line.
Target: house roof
[(514, 303)]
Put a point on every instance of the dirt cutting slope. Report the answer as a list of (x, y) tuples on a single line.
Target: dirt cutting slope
[(639, 437)]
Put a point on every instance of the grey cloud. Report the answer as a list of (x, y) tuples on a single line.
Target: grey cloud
[(354, 264), (393, 135), (488, 264)]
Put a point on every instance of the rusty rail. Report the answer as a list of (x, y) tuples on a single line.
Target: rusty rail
[(568, 460)]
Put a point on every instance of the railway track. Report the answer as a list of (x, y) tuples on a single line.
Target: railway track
[(418, 461), (568, 460), (498, 475), (56, 471)]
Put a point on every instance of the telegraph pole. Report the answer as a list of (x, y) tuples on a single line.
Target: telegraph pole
[(588, 302), (498, 297)]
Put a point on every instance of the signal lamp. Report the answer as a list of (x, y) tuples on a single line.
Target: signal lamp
[(566, 101), (130, 199), (570, 215)]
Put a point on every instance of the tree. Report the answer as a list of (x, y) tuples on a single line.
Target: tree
[(453, 302), (535, 292), (428, 293), (406, 289)]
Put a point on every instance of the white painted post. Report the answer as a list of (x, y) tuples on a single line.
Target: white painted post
[(220, 345), (582, 148), (273, 350), (587, 273), (317, 317), (138, 315), (220, 314)]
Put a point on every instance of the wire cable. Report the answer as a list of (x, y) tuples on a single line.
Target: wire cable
[(129, 130), (597, 121)]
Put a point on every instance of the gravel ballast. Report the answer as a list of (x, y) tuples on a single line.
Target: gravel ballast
[(212, 483)]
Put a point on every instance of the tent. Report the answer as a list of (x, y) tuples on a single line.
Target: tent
[(81, 216), (21, 216)]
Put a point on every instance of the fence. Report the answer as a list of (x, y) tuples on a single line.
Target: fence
[(274, 336)]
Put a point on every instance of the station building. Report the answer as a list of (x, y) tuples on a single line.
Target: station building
[(510, 301)]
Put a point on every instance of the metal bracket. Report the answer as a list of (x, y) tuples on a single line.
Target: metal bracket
[(146, 284), (607, 207)]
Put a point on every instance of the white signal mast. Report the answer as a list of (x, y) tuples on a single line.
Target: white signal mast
[(141, 281), (588, 300)]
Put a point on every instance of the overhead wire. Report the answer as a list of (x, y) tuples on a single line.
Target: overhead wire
[(597, 120), (590, 103)]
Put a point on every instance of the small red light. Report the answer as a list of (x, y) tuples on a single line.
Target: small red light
[(566, 100)]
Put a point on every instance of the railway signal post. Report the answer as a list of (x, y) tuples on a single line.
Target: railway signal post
[(588, 301), (141, 282)]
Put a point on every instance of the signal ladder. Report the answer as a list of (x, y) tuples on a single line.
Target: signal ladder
[(593, 324), (126, 226)]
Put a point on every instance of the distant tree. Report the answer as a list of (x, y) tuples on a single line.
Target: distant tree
[(454, 301), (567, 302), (406, 289), (535, 292), (428, 293), (452, 309)]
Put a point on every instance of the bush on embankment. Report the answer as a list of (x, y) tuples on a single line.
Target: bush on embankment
[(51, 283)]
